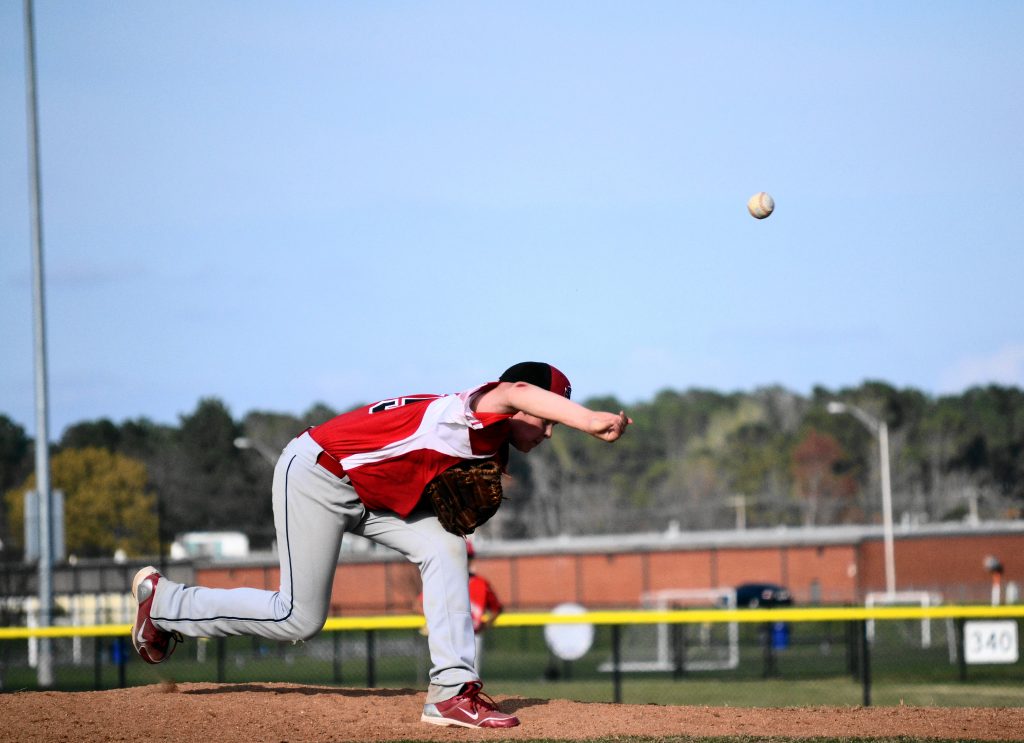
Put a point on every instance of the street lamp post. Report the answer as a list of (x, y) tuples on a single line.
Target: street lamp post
[(44, 667), (880, 430), (739, 502), (263, 450)]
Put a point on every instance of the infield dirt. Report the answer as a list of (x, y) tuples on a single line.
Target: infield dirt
[(254, 713)]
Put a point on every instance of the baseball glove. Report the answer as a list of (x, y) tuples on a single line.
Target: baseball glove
[(465, 495)]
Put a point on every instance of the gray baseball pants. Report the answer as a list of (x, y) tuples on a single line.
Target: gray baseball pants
[(313, 509)]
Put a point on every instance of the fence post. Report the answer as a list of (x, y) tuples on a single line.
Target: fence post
[(336, 661), (865, 663), (122, 655), (221, 659), (371, 670), (961, 662), (767, 651), (852, 643), (678, 650), (97, 660), (616, 665)]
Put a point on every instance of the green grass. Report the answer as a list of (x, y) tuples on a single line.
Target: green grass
[(773, 693), (814, 670), (636, 688)]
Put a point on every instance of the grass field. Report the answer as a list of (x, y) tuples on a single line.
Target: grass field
[(777, 693), (816, 667), (518, 668), (708, 691)]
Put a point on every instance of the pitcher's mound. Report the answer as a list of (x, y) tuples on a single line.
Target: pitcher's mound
[(271, 713)]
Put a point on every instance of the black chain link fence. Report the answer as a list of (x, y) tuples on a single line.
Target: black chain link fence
[(716, 663)]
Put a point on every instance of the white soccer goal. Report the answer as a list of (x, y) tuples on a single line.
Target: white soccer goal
[(912, 598), (711, 646)]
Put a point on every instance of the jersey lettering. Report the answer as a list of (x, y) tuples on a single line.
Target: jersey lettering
[(397, 402)]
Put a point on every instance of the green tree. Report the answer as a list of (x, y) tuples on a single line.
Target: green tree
[(209, 486), (106, 503), (15, 447), (995, 416), (102, 433), (687, 453), (15, 450), (271, 431), (319, 413), (751, 459)]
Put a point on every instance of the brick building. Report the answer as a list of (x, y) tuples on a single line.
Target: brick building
[(825, 565)]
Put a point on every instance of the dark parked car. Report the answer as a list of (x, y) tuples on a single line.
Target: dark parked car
[(764, 595)]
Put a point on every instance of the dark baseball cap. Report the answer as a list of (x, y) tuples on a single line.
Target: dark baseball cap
[(540, 374)]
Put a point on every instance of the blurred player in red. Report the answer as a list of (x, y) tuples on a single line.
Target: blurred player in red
[(484, 605)]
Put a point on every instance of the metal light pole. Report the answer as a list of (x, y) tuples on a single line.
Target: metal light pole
[(44, 669), (739, 502), (880, 430), (263, 450)]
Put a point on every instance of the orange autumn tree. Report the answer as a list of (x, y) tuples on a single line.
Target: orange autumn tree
[(815, 464)]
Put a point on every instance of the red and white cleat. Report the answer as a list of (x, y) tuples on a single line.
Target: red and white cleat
[(153, 644), (470, 708)]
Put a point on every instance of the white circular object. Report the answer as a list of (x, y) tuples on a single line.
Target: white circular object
[(760, 205), (569, 641)]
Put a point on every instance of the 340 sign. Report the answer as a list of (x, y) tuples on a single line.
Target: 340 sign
[(990, 642)]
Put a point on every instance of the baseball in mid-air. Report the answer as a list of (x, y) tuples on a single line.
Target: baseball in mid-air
[(761, 205)]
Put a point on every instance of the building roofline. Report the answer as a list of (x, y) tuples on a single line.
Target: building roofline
[(672, 540)]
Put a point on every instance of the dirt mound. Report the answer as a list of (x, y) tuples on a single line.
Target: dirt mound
[(254, 713)]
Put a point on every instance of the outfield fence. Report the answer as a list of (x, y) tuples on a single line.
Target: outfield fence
[(743, 657)]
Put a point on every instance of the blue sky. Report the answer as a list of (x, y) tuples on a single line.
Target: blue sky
[(284, 203)]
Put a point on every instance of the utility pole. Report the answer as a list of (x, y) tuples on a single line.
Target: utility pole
[(44, 669), (880, 430), (739, 502)]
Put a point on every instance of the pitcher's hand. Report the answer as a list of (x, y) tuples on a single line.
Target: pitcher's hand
[(608, 426)]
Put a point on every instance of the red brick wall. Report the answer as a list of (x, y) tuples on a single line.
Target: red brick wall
[(609, 579), (951, 565), (832, 574), (540, 580), (826, 573), (680, 570)]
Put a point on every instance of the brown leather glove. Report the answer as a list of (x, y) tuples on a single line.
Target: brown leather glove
[(465, 495)]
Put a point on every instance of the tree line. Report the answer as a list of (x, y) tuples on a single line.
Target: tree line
[(695, 459)]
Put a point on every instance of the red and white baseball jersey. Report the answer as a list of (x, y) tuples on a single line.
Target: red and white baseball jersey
[(483, 601), (391, 449)]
